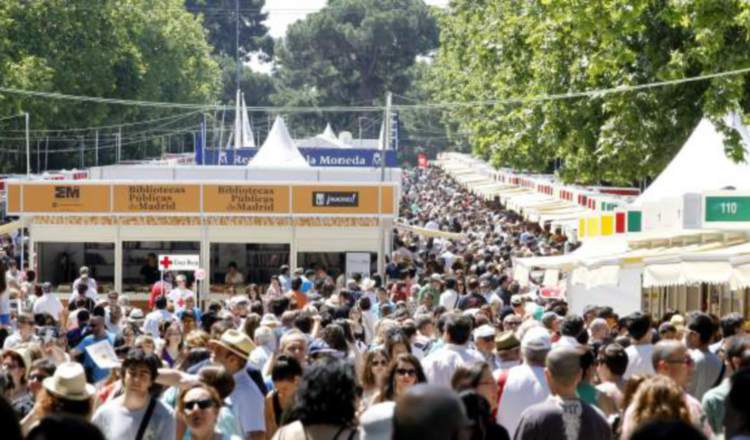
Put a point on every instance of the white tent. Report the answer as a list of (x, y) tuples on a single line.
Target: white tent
[(279, 150), (701, 165), (329, 136), (242, 134), (328, 132)]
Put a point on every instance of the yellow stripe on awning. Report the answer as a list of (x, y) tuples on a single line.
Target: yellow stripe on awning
[(11, 227)]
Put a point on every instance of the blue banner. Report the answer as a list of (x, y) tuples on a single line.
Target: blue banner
[(316, 157)]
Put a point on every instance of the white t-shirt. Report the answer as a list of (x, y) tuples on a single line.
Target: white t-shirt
[(117, 422), (91, 292), (639, 360), (154, 319), (449, 299), (525, 386), (48, 303), (440, 365), (178, 295)]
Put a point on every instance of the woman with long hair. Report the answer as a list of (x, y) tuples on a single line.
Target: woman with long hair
[(253, 292), (325, 404), (274, 289), (374, 372), (477, 377), (17, 363), (404, 372), (657, 398), (173, 351)]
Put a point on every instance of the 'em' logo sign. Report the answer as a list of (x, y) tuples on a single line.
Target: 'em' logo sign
[(67, 192)]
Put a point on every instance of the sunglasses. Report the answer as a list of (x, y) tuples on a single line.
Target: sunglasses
[(202, 404), (406, 372)]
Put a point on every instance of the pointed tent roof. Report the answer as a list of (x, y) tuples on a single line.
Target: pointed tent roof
[(279, 150), (248, 140), (329, 136), (700, 165), (328, 132)]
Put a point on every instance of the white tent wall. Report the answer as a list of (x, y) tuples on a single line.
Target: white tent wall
[(624, 297), (700, 165)]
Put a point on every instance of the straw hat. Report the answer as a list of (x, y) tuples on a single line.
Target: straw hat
[(69, 382), (235, 341)]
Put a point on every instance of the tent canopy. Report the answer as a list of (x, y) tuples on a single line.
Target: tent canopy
[(279, 150), (701, 165)]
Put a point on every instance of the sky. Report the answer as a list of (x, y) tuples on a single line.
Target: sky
[(282, 13)]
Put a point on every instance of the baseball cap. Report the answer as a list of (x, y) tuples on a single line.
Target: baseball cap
[(536, 338), (484, 331)]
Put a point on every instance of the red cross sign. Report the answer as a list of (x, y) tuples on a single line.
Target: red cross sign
[(164, 263), (178, 262)]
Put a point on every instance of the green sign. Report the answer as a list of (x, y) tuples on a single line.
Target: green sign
[(727, 209), (634, 221)]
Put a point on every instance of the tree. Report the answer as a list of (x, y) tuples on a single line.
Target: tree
[(127, 49), (351, 52), (421, 129), (510, 52), (220, 18)]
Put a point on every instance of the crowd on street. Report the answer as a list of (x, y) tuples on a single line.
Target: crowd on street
[(444, 344)]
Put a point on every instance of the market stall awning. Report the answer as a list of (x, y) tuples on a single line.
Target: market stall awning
[(697, 265), (10, 228), (425, 232)]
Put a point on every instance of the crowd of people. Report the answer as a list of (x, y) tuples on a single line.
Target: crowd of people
[(444, 345)]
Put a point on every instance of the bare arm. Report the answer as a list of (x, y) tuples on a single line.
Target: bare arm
[(174, 378)]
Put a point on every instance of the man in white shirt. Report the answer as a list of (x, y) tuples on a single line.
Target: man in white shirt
[(232, 351), (526, 384), (48, 303), (639, 353), (87, 281), (448, 257), (440, 365), (449, 297), (24, 334), (484, 341), (155, 318)]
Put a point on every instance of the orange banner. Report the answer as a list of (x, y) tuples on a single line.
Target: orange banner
[(157, 198), (65, 197), (14, 198), (247, 199)]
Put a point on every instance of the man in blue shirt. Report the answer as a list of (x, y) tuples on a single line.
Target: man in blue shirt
[(98, 333)]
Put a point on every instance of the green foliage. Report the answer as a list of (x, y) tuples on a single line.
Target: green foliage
[(422, 130), (351, 52), (128, 49), (220, 18), (496, 50)]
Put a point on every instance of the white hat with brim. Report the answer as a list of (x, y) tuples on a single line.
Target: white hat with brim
[(69, 382), (235, 341), (270, 320)]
